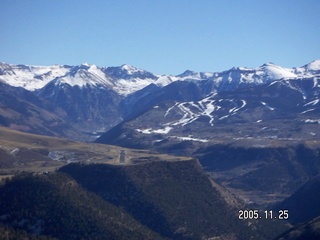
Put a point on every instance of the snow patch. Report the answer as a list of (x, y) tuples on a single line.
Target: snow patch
[(15, 151), (165, 80), (169, 109), (312, 103), (267, 106), (312, 121), (223, 117), (309, 110), (165, 130), (63, 156), (190, 139), (128, 86), (235, 109)]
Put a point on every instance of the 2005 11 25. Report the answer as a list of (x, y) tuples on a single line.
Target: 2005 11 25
[(249, 214)]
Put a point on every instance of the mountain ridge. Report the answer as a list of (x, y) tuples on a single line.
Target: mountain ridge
[(35, 77)]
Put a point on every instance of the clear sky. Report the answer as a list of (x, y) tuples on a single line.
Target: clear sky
[(161, 36)]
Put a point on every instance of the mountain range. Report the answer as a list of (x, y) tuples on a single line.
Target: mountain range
[(81, 102)]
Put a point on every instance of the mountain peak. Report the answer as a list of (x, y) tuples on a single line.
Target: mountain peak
[(274, 71), (313, 66), (267, 64), (187, 73), (127, 67), (83, 66), (130, 69)]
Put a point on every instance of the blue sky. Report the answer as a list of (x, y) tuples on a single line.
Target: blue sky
[(164, 36)]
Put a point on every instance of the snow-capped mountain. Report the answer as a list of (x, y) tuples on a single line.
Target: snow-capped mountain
[(242, 77), (97, 98), (85, 75), (282, 109), (241, 99), (124, 80), (127, 79), (30, 77)]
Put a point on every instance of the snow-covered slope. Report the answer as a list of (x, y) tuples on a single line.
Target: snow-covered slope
[(85, 75), (233, 78), (310, 69), (127, 79), (124, 80), (31, 77)]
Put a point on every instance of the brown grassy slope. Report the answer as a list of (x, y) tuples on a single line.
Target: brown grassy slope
[(35, 153)]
